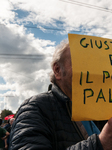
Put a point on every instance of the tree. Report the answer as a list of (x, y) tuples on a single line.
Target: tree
[(5, 113)]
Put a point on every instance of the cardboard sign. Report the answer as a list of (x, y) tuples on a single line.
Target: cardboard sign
[(91, 77)]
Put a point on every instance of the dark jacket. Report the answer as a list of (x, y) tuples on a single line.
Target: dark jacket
[(8, 128), (43, 122)]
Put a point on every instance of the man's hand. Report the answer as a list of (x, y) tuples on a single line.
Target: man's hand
[(106, 135), (6, 146), (3, 138), (7, 134)]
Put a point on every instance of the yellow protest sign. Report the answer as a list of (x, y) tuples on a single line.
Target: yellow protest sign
[(91, 77)]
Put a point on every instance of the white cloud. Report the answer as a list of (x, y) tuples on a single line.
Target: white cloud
[(71, 14), (23, 77), (6, 13)]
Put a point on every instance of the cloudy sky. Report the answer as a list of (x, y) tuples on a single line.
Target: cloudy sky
[(29, 32)]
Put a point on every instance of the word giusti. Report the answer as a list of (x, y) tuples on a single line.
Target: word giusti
[(104, 44)]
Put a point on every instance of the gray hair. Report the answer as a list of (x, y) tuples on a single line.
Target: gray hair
[(11, 120), (60, 49)]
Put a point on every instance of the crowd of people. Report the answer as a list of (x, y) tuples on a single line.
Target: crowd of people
[(5, 133)]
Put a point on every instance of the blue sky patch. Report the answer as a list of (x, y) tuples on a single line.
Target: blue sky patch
[(21, 13), (2, 81)]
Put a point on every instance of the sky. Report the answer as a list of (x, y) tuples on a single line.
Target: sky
[(29, 32)]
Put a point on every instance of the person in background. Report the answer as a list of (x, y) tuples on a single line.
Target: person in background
[(8, 128), (43, 122), (2, 137), (11, 121)]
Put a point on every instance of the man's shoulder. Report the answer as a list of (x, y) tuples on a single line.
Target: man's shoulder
[(6, 126), (36, 104), (2, 130), (38, 100)]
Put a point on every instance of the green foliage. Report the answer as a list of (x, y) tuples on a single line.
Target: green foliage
[(5, 113)]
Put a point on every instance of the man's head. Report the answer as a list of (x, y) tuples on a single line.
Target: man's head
[(62, 69), (11, 121)]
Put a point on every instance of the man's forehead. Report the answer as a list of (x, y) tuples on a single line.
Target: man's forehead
[(67, 53), (67, 56)]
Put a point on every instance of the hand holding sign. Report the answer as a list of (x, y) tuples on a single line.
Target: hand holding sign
[(106, 136)]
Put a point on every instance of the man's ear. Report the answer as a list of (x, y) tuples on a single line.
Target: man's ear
[(57, 71)]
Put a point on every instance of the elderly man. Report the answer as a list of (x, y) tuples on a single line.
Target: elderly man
[(11, 121), (43, 122)]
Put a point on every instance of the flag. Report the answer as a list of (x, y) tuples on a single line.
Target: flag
[(9, 117)]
